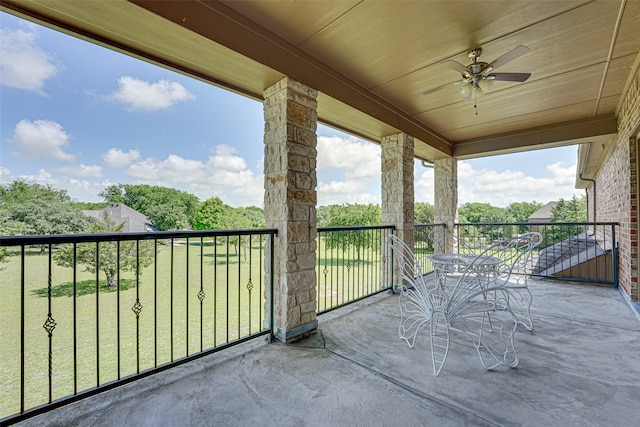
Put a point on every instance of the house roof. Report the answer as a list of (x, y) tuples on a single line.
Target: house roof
[(565, 254), (542, 214), (133, 220), (371, 61)]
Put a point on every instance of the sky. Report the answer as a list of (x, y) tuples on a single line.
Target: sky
[(81, 117)]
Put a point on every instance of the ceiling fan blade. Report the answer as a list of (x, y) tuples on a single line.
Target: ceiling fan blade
[(514, 53), (435, 89), (509, 77), (455, 66)]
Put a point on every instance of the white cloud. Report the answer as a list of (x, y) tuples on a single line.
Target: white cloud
[(348, 171), (359, 159), (24, 65), (224, 175), (40, 139), (139, 95), (561, 174), (116, 158), (341, 192), (423, 183), (226, 159), (344, 188), (5, 175), (174, 169), (506, 187), (81, 170)]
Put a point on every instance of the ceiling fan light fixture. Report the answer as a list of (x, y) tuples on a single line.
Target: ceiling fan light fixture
[(486, 85), (477, 91), (465, 89), (477, 78)]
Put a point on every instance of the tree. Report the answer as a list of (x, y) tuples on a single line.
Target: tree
[(521, 211), (322, 215), (31, 208), (165, 217), (424, 213), (53, 217), (19, 192), (212, 214), (254, 214), (574, 210), (352, 215), (108, 254), (238, 221), (8, 227), (168, 208), (483, 212)]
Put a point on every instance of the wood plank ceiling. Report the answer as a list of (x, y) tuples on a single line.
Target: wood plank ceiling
[(372, 60)]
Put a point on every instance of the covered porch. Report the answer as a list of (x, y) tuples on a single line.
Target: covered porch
[(363, 67), (386, 73), (578, 367)]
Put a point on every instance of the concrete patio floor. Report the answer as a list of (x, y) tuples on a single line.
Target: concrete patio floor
[(579, 367)]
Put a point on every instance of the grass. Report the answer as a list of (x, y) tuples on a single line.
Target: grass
[(112, 342)]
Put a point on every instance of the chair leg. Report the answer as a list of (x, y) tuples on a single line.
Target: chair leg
[(439, 341), (494, 346), (520, 299)]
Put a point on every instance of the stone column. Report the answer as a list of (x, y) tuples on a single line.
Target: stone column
[(290, 205), (397, 190), (446, 198)]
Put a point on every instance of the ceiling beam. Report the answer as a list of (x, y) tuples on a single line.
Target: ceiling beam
[(567, 133), (223, 25)]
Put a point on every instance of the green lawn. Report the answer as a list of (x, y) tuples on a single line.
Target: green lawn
[(229, 311), (347, 275)]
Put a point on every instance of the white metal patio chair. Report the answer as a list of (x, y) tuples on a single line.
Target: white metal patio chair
[(415, 306), (476, 305), (515, 253), (437, 237)]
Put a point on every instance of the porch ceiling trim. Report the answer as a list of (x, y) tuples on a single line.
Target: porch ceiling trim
[(567, 133)]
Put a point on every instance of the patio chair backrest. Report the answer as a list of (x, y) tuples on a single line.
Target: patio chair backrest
[(410, 270), (479, 278), (436, 237), (515, 252)]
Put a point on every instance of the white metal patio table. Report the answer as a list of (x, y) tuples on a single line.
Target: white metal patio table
[(450, 265)]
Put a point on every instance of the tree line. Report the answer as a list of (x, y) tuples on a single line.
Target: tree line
[(31, 208), (34, 209)]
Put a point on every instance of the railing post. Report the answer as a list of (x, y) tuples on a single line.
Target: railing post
[(272, 335), (390, 261), (614, 255)]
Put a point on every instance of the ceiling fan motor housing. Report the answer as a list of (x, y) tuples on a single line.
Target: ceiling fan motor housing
[(477, 68), (475, 53)]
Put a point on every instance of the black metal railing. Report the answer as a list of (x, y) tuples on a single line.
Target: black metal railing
[(81, 314), (352, 263), (577, 251), (427, 240)]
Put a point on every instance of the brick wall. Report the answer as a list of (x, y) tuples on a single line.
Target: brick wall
[(617, 188)]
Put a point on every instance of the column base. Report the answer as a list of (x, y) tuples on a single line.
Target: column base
[(296, 333)]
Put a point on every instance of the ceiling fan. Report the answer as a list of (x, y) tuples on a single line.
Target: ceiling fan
[(478, 77)]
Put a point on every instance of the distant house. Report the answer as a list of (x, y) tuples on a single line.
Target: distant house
[(541, 215), (133, 220)]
